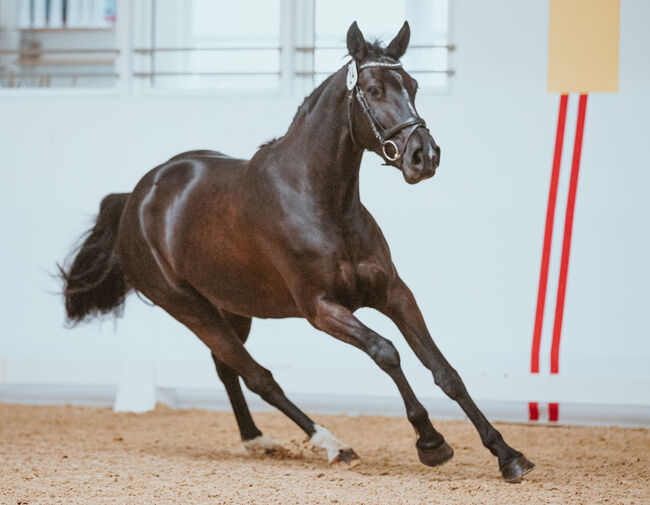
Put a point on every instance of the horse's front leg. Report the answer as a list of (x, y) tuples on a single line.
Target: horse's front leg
[(339, 322), (401, 307)]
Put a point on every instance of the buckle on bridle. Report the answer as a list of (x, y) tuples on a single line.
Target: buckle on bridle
[(396, 156)]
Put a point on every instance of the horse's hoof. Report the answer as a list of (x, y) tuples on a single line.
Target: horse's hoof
[(437, 456), (515, 469), (346, 458), (260, 446)]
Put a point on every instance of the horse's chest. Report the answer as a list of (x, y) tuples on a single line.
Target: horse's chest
[(363, 282)]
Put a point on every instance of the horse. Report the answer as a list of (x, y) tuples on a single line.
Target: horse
[(216, 241)]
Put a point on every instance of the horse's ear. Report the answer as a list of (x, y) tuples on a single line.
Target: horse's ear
[(398, 45), (356, 42)]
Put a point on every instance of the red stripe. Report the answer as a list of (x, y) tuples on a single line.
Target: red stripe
[(568, 229), (553, 412), (548, 235), (533, 411)]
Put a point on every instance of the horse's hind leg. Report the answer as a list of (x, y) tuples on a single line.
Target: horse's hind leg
[(213, 328), (251, 436)]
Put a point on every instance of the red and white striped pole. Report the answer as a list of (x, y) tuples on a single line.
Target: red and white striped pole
[(553, 408)]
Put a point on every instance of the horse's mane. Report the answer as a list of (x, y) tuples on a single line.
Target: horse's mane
[(374, 50), (307, 105)]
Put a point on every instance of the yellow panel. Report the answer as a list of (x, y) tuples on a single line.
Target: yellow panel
[(583, 46)]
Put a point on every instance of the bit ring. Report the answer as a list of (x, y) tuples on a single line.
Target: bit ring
[(395, 156)]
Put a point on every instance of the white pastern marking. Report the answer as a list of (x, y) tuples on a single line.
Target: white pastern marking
[(323, 439), (262, 444)]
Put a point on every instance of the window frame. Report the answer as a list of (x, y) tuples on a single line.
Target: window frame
[(424, 90), (122, 87), (143, 41), (133, 38)]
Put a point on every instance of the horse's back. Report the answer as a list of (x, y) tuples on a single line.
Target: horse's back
[(186, 168), (203, 153)]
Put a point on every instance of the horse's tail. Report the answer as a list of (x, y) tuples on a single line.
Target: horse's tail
[(93, 281)]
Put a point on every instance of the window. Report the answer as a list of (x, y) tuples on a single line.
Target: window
[(220, 44), (427, 56), (283, 46), (57, 44), (216, 44)]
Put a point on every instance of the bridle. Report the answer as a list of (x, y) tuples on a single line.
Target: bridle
[(383, 135)]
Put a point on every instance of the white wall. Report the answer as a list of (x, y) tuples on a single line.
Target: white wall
[(468, 242)]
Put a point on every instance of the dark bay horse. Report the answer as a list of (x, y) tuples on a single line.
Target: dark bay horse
[(216, 241)]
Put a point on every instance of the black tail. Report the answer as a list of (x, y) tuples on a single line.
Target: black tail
[(93, 281)]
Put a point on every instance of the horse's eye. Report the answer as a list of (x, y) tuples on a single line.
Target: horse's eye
[(374, 91)]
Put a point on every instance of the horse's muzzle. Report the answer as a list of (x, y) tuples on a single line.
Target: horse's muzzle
[(421, 158)]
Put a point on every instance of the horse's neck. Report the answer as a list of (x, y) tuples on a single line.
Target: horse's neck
[(331, 159)]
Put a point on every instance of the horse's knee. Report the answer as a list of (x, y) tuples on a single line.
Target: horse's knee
[(385, 354), (334, 319), (449, 381)]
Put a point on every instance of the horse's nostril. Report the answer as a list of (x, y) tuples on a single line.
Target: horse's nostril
[(436, 157), (416, 159)]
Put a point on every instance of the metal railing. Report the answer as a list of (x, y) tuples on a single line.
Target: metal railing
[(301, 73), (201, 74), (37, 52), (151, 51), (32, 57), (24, 73), (311, 49)]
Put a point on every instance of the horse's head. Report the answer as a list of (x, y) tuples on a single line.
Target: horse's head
[(381, 108)]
